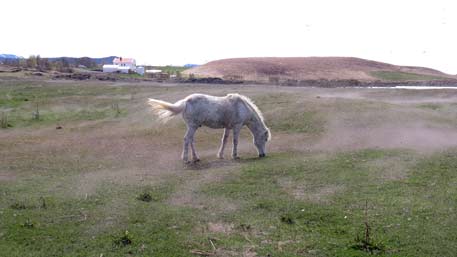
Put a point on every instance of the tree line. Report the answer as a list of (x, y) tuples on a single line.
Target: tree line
[(47, 64)]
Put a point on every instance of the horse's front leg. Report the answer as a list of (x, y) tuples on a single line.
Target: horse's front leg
[(236, 134), (220, 154), (194, 153), (188, 139)]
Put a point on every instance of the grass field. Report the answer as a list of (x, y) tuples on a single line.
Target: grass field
[(349, 172), (403, 76)]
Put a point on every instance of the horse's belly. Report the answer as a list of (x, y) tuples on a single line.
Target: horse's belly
[(214, 124)]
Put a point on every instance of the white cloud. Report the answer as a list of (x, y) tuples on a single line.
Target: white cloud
[(177, 32)]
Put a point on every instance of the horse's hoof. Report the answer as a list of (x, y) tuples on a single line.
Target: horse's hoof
[(196, 160), (236, 157), (261, 155), (220, 157)]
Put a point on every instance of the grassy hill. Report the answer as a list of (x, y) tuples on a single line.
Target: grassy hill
[(313, 68)]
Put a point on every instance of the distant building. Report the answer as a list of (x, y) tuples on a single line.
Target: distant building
[(125, 62), (123, 65), (140, 70), (153, 71), (158, 74)]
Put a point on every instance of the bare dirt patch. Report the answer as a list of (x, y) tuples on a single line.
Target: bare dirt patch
[(319, 195), (387, 119), (416, 137), (7, 177), (188, 194), (392, 168), (311, 193), (220, 227)]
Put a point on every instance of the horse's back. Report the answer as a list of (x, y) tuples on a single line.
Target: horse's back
[(212, 111)]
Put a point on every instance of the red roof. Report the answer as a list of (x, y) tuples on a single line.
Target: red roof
[(123, 60)]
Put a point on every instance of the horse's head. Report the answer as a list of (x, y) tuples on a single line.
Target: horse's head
[(260, 140)]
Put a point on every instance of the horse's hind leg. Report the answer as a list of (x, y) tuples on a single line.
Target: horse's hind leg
[(220, 154), (188, 139), (194, 153)]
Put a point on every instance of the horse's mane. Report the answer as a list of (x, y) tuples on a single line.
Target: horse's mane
[(254, 107)]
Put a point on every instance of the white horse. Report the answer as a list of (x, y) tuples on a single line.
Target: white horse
[(229, 112)]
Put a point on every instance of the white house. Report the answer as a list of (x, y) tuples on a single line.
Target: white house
[(110, 68), (123, 65)]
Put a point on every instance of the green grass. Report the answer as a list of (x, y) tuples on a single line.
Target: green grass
[(283, 114), (410, 217), (400, 212), (55, 103), (87, 192), (26, 119), (11, 91), (402, 76), (303, 122), (430, 106), (81, 227)]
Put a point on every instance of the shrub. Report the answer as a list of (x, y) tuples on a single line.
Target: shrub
[(145, 197), (124, 240)]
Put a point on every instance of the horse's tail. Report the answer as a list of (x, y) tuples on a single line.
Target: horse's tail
[(165, 110)]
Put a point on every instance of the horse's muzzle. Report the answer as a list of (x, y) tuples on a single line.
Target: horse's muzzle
[(261, 155)]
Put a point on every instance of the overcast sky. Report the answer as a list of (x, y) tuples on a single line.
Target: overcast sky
[(419, 33)]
